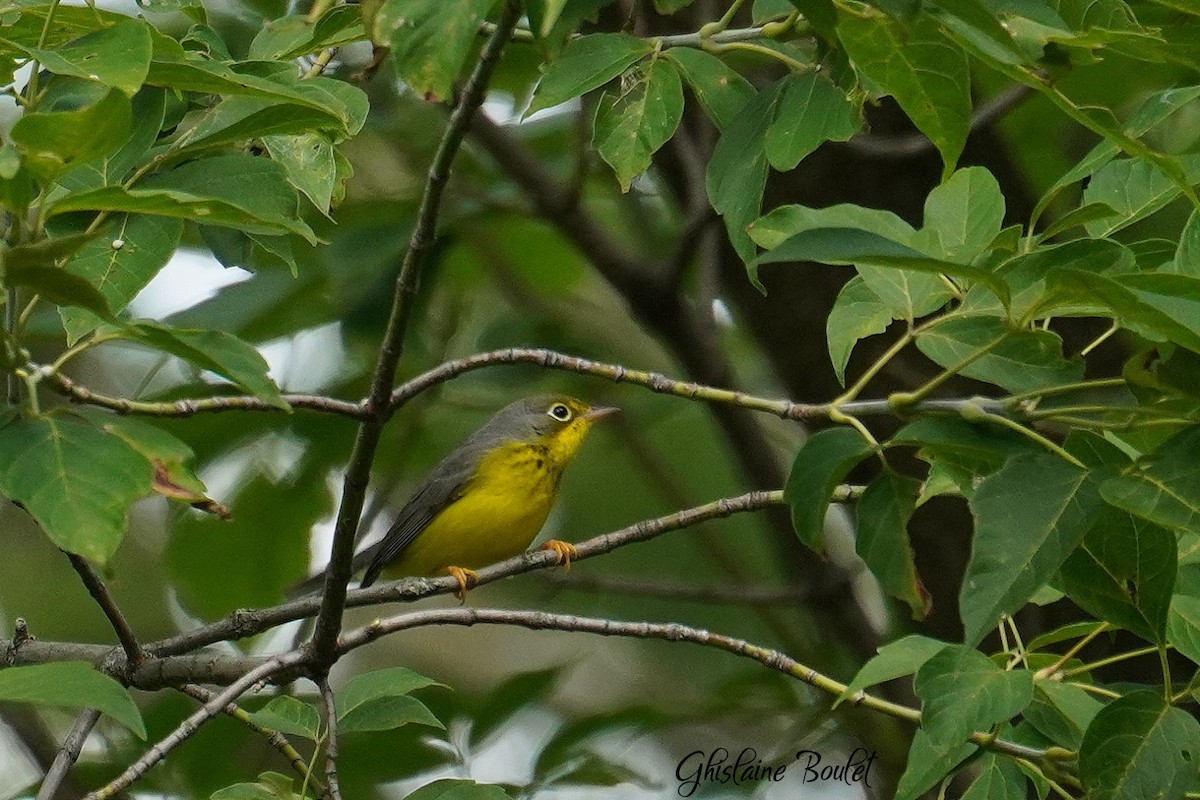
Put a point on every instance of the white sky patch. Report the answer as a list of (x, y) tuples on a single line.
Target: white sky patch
[(189, 278)]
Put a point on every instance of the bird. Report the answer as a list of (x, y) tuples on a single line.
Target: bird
[(487, 499)]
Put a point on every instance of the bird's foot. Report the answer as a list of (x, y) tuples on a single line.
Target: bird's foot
[(466, 580), (563, 551)]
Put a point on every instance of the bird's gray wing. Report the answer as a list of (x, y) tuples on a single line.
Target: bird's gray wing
[(444, 484)]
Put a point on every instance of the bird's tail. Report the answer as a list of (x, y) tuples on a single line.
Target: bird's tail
[(315, 583)]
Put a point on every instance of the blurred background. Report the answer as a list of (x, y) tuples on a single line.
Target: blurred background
[(512, 269)]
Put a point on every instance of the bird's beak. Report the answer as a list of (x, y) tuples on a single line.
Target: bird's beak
[(599, 413)]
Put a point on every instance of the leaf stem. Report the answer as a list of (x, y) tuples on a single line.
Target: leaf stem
[(1004, 421), (1115, 659), (1048, 672)]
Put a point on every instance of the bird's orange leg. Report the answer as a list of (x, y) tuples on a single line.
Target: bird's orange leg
[(466, 580), (563, 551)]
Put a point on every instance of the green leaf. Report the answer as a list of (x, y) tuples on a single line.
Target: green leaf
[(867, 249), (1139, 747), (822, 463), (293, 36), (1061, 712), (270, 785), (311, 165), (784, 222), (927, 74), (988, 349), (964, 214), (1124, 573), (882, 540), (722, 91), (1135, 189), (1183, 619), (53, 142), (1029, 516), (1187, 255), (116, 56), (76, 481), (737, 171), (962, 691), (378, 701), (928, 764), (856, 314), (1156, 108), (237, 191), (147, 112), (893, 660), (237, 120), (59, 287), (179, 70), (999, 778), (811, 111), (1165, 488), (128, 251), (216, 351), (430, 40), (636, 118), (174, 477), (290, 717), (388, 713), (450, 789), (951, 435), (586, 63), (71, 684)]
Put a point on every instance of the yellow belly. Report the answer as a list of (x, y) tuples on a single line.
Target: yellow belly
[(498, 516)]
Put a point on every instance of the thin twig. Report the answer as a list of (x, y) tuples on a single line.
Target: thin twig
[(354, 486), (672, 590), (68, 754), (190, 407), (245, 622), (189, 726), (99, 592), (915, 144), (671, 632), (274, 738), (329, 713)]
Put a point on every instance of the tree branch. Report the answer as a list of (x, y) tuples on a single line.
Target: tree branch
[(99, 592), (748, 595), (671, 632), (354, 486), (915, 144), (245, 622), (189, 726), (68, 754), (329, 713), (274, 738)]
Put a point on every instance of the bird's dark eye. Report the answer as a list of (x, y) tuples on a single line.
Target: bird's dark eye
[(559, 412)]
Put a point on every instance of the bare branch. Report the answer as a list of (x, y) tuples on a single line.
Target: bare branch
[(189, 726), (99, 592), (354, 486), (250, 622), (190, 407), (329, 713), (748, 595), (68, 754), (671, 632), (274, 738), (915, 144)]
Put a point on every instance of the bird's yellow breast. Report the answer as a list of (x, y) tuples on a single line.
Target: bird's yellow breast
[(501, 510)]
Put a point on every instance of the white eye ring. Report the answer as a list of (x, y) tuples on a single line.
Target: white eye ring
[(559, 412)]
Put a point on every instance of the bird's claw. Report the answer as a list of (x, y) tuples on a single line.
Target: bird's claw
[(466, 578), (564, 552)]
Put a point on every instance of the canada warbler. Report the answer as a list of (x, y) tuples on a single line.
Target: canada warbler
[(488, 499)]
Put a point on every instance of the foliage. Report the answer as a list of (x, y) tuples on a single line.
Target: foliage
[(1045, 328)]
